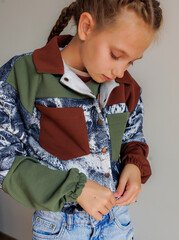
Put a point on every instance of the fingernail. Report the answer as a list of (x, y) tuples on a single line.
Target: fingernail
[(117, 195)]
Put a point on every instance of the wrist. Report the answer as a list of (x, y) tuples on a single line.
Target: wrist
[(132, 169)]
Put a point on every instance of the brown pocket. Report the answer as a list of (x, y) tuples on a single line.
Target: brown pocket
[(63, 132)]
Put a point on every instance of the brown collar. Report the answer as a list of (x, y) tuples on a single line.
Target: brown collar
[(48, 59)]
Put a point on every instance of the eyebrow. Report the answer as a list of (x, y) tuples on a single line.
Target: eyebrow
[(125, 53)]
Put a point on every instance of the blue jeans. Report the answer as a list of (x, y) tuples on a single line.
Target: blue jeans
[(81, 226)]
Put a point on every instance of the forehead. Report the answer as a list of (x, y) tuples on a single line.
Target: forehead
[(129, 32)]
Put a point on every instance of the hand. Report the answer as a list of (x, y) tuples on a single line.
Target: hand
[(96, 199), (129, 185)]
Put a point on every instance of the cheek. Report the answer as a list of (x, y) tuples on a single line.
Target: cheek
[(98, 59)]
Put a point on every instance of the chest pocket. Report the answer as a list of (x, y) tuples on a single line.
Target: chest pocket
[(63, 132), (117, 123)]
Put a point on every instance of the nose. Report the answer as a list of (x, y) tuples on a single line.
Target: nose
[(118, 71)]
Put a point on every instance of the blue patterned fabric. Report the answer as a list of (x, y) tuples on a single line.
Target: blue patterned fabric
[(12, 132), (134, 127)]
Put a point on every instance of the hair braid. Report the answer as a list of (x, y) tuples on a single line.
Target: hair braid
[(105, 12), (158, 15), (63, 20), (149, 10)]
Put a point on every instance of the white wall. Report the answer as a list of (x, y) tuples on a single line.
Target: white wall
[(156, 212), (25, 25)]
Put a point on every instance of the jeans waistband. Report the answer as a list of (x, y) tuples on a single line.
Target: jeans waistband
[(85, 218), (78, 217)]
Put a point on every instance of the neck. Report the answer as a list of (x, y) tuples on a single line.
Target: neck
[(71, 54)]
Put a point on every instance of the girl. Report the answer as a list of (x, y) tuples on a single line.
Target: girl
[(71, 143)]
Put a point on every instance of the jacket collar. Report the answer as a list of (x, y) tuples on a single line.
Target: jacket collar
[(48, 59)]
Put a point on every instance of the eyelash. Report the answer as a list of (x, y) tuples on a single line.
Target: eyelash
[(131, 63), (116, 58)]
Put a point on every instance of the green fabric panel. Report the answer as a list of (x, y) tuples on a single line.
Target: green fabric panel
[(24, 79), (50, 87), (30, 84), (117, 123), (94, 86), (36, 186)]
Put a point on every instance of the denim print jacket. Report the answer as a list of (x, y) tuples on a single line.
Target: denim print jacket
[(57, 131)]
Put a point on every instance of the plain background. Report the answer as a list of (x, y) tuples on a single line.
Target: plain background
[(25, 25)]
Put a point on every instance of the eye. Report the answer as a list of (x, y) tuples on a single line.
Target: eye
[(114, 56)]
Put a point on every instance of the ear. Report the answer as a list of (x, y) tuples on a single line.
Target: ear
[(85, 25)]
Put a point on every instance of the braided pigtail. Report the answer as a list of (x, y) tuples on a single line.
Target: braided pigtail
[(152, 13), (105, 12), (158, 19), (149, 10), (65, 16)]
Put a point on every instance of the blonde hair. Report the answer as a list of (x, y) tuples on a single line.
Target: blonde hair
[(105, 12)]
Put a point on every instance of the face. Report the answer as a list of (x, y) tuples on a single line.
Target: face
[(106, 54)]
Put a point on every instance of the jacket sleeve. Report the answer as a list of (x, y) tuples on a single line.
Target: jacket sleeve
[(134, 148), (21, 176)]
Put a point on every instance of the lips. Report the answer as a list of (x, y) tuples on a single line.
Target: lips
[(107, 78)]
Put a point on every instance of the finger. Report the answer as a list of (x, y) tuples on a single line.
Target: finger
[(98, 216), (131, 191), (104, 211), (112, 202), (121, 187), (134, 200), (128, 194), (109, 205), (127, 201)]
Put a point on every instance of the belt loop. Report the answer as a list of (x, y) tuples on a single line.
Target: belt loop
[(92, 221), (69, 221), (111, 216)]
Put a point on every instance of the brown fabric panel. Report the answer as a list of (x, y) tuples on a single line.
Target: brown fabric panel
[(128, 92), (63, 132), (136, 153), (118, 95), (132, 93), (48, 58)]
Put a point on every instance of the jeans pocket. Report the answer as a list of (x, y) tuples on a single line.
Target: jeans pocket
[(122, 218), (46, 228)]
